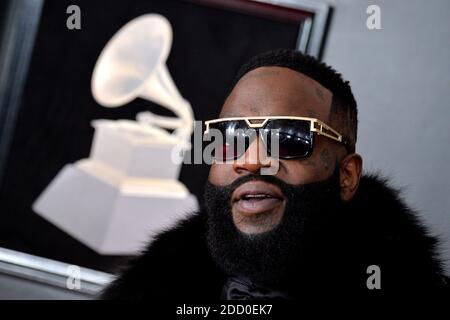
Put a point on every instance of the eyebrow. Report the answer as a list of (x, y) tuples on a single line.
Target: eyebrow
[(253, 109), (230, 115), (237, 115)]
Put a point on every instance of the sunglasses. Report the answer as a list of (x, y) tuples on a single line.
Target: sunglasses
[(295, 135)]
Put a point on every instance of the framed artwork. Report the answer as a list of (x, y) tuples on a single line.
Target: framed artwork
[(46, 106)]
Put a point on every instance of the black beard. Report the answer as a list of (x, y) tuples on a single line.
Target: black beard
[(270, 258)]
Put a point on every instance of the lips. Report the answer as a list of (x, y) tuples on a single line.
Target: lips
[(255, 197)]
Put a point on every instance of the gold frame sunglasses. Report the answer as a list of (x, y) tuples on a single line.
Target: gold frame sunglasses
[(315, 126)]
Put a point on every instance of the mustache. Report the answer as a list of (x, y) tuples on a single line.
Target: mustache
[(289, 190), (228, 189)]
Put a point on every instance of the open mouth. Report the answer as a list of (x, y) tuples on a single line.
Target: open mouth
[(255, 197)]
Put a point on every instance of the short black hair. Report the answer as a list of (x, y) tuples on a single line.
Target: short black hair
[(344, 112)]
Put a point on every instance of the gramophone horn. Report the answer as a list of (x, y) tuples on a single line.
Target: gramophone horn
[(133, 64)]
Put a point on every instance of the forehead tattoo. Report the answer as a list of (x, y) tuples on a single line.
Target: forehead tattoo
[(319, 94)]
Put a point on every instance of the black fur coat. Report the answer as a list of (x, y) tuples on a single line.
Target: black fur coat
[(377, 228)]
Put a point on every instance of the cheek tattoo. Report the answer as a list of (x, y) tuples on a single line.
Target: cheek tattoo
[(326, 159)]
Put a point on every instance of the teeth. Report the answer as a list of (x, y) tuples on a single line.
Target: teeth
[(250, 196)]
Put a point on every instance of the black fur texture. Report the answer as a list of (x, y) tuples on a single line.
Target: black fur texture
[(375, 228)]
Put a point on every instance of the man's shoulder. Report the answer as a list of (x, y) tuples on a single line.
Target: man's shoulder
[(392, 232), (175, 262), (385, 207)]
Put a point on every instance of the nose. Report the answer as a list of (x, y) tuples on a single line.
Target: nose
[(253, 160)]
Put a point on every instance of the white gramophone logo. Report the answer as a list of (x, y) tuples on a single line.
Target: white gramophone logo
[(128, 188)]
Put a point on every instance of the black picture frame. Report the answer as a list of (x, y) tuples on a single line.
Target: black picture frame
[(21, 20)]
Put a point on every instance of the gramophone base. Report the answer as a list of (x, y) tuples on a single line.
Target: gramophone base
[(110, 219)]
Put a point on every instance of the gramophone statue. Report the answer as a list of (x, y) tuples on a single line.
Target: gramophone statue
[(128, 188)]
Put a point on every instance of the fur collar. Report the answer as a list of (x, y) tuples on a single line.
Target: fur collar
[(377, 228)]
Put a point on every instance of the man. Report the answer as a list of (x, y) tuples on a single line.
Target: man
[(314, 225)]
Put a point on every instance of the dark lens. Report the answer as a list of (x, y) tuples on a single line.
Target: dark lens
[(294, 138), (293, 147), (235, 140)]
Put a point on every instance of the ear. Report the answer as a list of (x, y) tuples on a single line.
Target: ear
[(350, 174)]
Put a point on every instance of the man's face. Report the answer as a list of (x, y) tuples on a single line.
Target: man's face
[(274, 91)]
